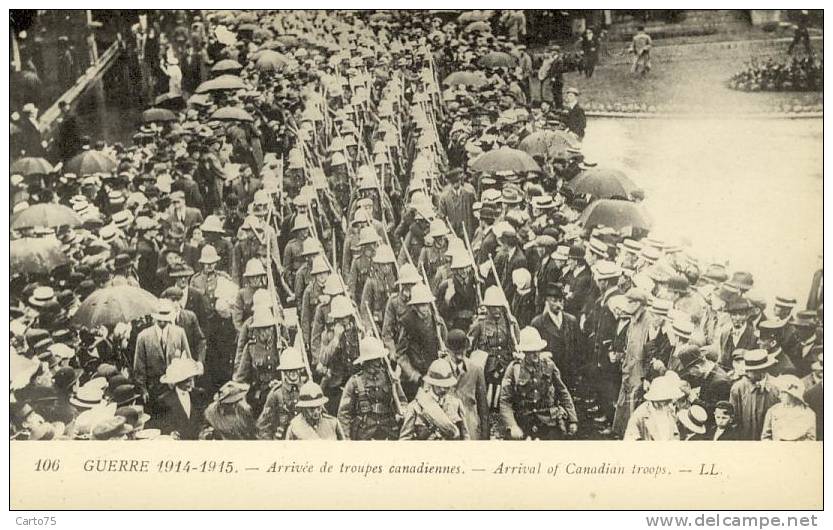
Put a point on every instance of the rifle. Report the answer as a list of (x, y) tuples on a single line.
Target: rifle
[(436, 314), (512, 322), (394, 381)]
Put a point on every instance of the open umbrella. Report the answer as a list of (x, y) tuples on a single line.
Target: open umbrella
[(90, 162), (231, 114), (169, 102), (504, 159), (30, 165), (474, 16), (203, 100), (615, 214), (547, 143), (111, 305), (36, 255), (155, 114), (475, 79), (226, 66), (50, 215), (247, 27), (480, 26), (224, 82), (603, 183), (246, 17), (497, 60), (271, 61)]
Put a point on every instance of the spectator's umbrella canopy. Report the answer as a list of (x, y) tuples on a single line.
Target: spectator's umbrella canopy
[(271, 61), (111, 305), (480, 26), (90, 162), (226, 66), (546, 143), (615, 214), (603, 183), (474, 16), (224, 82), (505, 159), (497, 60), (157, 115), (474, 79), (36, 255), (31, 166), (50, 215), (231, 114)]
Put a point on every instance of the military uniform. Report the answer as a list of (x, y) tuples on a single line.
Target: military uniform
[(327, 428), (207, 283), (277, 412), (495, 338), (419, 425), (395, 310), (257, 365), (359, 273), (534, 398), (337, 357), (377, 290), (430, 259), (367, 410)]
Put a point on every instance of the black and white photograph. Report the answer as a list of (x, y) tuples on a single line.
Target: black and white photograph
[(503, 225)]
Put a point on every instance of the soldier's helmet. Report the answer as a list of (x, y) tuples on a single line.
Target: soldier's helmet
[(310, 396), (370, 348)]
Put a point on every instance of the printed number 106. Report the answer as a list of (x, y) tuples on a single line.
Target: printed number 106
[(47, 465)]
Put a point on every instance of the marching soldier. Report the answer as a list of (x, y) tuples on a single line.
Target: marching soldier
[(492, 334), (368, 409), (255, 278), (361, 266), (280, 403), (380, 286), (420, 338), (257, 363), (435, 413), (534, 402), (311, 297), (432, 256), (311, 248), (457, 295), (397, 306), (206, 280), (313, 423), (339, 348)]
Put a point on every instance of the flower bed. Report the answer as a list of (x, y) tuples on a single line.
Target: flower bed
[(798, 75)]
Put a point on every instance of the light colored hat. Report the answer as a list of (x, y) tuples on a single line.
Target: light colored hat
[(384, 254), (319, 265), (254, 267), (790, 384), (530, 340), (408, 275), (606, 270), (180, 369), (341, 307), (494, 297), (421, 294), (21, 370), (301, 223), (262, 317), (41, 295), (440, 374), (164, 312), (664, 388), (311, 246), (683, 326), (371, 348), (87, 396), (369, 236), (209, 255), (461, 259), (521, 278), (333, 285), (291, 359), (438, 228), (757, 359), (694, 418), (785, 301), (213, 224), (310, 396)]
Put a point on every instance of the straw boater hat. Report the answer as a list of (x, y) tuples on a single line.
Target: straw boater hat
[(757, 360), (180, 369), (310, 396), (694, 419), (440, 374), (164, 311)]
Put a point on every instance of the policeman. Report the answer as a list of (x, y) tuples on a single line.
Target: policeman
[(435, 413), (280, 403), (492, 334), (368, 409), (534, 402), (313, 423), (257, 363), (339, 348)]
